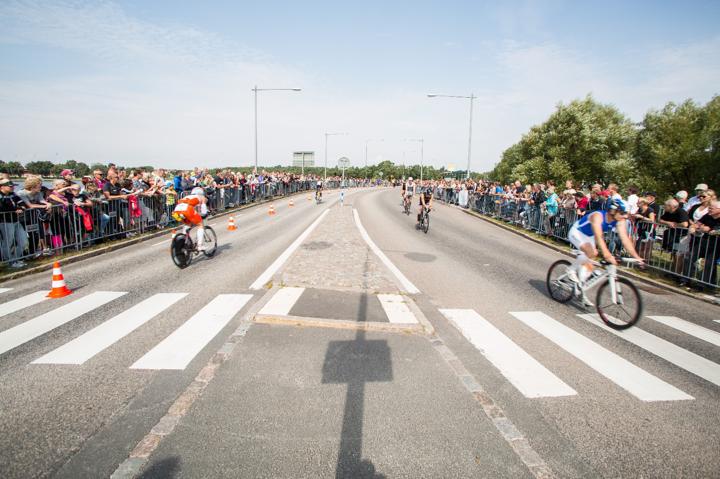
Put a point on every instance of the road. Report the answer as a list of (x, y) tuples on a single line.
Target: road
[(339, 341)]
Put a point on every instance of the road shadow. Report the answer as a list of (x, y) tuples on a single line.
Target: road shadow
[(355, 363), (540, 286), (167, 468)]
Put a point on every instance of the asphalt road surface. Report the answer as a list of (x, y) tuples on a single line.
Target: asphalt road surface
[(337, 340)]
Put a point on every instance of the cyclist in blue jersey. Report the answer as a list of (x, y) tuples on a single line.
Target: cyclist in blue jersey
[(590, 229)]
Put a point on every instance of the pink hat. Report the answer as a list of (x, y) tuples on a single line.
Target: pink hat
[(66, 172)]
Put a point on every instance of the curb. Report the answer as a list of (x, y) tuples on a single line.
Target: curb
[(338, 324), (125, 243), (628, 274)]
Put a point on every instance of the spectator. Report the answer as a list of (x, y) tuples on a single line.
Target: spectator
[(644, 219), (699, 190), (596, 202), (98, 179), (709, 228), (60, 222), (681, 197), (651, 197), (38, 212), (551, 209), (700, 209), (676, 220), (97, 201), (581, 203), (12, 233), (632, 200), (67, 175)]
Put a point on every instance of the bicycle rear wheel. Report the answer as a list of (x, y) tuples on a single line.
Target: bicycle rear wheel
[(558, 284), (625, 310), (210, 242), (181, 250)]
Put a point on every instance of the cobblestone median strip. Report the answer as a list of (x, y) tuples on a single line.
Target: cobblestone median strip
[(512, 435), (138, 457), (339, 324)]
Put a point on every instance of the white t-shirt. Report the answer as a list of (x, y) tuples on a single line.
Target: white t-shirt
[(632, 203)]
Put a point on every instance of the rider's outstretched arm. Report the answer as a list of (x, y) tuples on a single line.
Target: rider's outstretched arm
[(627, 242)]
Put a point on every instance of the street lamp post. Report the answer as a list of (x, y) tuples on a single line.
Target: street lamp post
[(326, 141), (422, 162), (472, 99), (255, 90)]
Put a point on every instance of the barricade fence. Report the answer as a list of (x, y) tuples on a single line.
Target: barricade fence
[(77, 225), (670, 250)]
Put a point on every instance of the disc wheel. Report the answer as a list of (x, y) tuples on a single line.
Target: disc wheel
[(210, 242), (559, 286), (624, 312), (180, 250)]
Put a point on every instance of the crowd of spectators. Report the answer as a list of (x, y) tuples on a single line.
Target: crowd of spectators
[(42, 218), (679, 235)]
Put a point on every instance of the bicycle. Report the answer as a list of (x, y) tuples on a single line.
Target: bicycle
[(424, 224), (318, 197), (618, 301), (183, 248)]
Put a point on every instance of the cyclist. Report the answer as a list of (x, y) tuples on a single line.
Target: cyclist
[(408, 191), (426, 199), (318, 189), (589, 230), (186, 213)]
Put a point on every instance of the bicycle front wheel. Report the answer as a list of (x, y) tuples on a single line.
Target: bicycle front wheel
[(210, 242), (558, 284), (622, 311), (180, 252), (426, 223)]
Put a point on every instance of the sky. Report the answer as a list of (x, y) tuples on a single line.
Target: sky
[(169, 83)]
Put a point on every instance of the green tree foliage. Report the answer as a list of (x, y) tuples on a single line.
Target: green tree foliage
[(578, 141), (42, 168)]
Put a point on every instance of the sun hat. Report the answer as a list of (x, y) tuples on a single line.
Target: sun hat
[(66, 172), (701, 186)]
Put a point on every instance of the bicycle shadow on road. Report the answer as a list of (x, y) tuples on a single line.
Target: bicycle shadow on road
[(167, 468), (542, 288)]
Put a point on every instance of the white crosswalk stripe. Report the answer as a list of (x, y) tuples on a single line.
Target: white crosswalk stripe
[(628, 376), (282, 302), (670, 352), (5, 290), (530, 377), (28, 330), (97, 339), (177, 350), (712, 337), (397, 309), (22, 302)]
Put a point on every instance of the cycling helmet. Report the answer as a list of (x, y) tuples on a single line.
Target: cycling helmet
[(197, 191), (614, 204), (410, 179)]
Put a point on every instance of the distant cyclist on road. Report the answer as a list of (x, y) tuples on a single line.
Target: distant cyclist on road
[(186, 213), (590, 229), (318, 190), (408, 191), (426, 199)]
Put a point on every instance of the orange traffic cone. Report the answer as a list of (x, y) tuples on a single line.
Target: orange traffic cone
[(173, 232), (59, 290), (271, 211), (231, 224), (291, 204)]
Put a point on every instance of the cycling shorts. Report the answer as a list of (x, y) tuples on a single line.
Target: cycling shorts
[(189, 214), (577, 238)]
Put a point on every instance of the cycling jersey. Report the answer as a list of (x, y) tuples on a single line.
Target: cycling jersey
[(585, 227), (410, 189), (186, 209)]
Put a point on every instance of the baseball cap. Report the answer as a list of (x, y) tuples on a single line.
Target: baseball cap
[(701, 186), (682, 194), (6, 182), (650, 193), (66, 172)]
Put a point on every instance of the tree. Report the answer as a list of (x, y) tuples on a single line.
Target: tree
[(40, 167)]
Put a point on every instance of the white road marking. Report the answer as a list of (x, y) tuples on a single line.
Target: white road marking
[(625, 374), (712, 337), (406, 283), (4, 290), (282, 302), (177, 350), (28, 330), (22, 302), (396, 309), (668, 351), (523, 371), (716, 320), (97, 339), (270, 271)]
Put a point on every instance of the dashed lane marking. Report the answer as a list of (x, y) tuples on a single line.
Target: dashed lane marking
[(91, 343), (666, 350), (177, 350), (22, 302), (530, 377), (625, 374), (5, 290), (28, 330)]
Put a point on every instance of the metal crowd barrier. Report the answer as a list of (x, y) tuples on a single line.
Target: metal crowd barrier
[(690, 257), (42, 232)]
